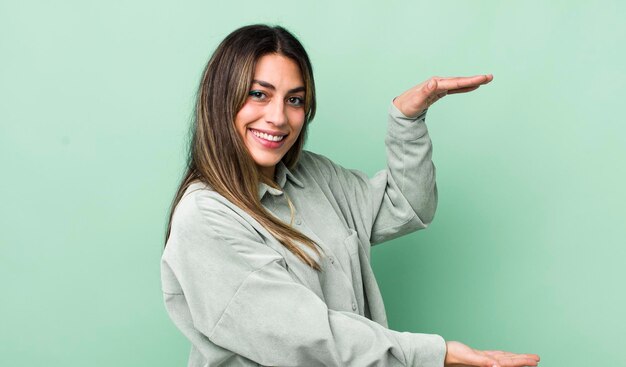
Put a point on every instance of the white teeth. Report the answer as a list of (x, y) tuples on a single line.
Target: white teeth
[(267, 137)]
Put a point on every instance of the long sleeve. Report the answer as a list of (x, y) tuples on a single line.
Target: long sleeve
[(410, 177), (238, 295), (397, 200)]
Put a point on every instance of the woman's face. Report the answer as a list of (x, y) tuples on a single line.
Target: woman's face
[(273, 115)]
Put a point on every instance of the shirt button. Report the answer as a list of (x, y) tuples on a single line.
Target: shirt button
[(353, 306), (332, 261), (298, 221)]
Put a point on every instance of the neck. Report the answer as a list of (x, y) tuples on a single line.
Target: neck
[(268, 172)]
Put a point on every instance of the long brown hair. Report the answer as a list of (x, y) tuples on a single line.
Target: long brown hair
[(217, 155)]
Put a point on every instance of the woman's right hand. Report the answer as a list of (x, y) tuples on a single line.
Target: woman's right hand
[(460, 355)]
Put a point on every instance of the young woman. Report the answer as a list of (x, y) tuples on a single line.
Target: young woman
[(267, 257)]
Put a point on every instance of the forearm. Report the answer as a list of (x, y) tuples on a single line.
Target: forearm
[(274, 321), (409, 153)]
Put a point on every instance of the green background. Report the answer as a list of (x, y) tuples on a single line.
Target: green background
[(527, 249)]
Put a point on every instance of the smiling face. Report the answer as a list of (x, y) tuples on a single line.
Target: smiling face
[(273, 115)]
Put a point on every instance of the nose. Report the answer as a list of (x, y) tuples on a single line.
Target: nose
[(275, 112)]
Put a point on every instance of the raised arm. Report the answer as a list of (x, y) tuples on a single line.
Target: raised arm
[(403, 197)]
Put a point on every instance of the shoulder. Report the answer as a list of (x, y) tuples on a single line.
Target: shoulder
[(207, 226), (205, 213), (317, 164), (310, 159), (199, 205), (322, 168)]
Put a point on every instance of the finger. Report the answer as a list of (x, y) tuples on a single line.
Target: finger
[(525, 357), (431, 85), (431, 88), (448, 77), (500, 354), (476, 358), (456, 83), (485, 77), (464, 82), (462, 90), (517, 362), (482, 361)]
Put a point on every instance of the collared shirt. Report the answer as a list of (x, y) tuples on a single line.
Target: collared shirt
[(243, 299)]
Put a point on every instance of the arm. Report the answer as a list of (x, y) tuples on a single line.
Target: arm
[(397, 200), (403, 197), (414, 102), (241, 297)]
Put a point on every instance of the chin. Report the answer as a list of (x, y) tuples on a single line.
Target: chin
[(266, 161)]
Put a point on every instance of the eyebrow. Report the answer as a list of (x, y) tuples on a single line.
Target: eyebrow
[(270, 86)]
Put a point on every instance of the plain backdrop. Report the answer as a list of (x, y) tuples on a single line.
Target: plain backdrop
[(526, 252)]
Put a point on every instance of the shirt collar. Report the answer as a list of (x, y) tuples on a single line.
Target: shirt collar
[(282, 175)]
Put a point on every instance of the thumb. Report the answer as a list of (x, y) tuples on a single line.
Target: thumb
[(432, 85), (489, 362)]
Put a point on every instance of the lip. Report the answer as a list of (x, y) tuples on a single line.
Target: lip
[(275, 133), (267, 143)]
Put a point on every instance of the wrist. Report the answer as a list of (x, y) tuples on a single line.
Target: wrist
[(397, 102), (452, 350), (408, 112)]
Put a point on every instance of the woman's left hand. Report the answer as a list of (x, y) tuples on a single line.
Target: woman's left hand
[(415, 100), (460, 355)]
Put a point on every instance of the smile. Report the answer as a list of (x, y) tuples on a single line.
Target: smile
[(267, 137), (268, 141)]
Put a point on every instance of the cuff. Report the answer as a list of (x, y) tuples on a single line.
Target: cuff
[(427, 350), (406, 128)]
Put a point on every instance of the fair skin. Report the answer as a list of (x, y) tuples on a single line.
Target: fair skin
[(275, 106)]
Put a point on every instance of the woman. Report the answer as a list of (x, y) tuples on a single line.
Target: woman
[(267, 251)]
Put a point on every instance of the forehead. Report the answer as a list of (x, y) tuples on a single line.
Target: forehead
[(279, 71)]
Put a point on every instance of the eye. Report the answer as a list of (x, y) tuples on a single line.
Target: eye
[(296, 101), (257, 95)]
